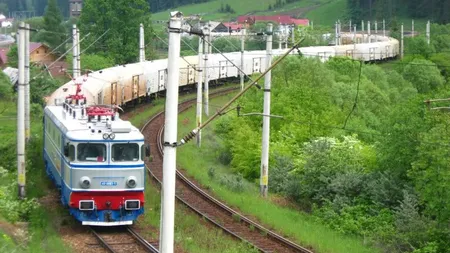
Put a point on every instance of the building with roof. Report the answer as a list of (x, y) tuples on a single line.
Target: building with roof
[(233, 27), (75, 7), (40, 54), (279, 19)]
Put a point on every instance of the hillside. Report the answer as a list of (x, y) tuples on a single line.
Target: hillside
[(321, 11)]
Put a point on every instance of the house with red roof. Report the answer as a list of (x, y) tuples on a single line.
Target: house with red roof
[(233, 27), (279, 19)]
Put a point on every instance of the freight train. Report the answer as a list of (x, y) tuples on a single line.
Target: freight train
[(97, 160)]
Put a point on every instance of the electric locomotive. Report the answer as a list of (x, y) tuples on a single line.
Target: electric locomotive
[(96, 160)]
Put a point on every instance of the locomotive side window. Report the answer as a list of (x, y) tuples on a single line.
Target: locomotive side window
[(125, 152), (89, 152), (71, 153)]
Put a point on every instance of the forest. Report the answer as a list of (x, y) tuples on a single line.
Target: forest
[(39, 5), (357, 147)]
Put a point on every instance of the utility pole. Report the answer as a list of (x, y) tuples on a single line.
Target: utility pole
[(170, 136), (242, 57), (75, 53), (207, 50), (21, 113), (428, 32), (27, 82), (141, 44), (384, 28), (264, 181), (200, 88), (401, 42), (78, 53)]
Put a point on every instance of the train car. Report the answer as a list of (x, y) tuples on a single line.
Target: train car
[(96, 160), (131, 83)]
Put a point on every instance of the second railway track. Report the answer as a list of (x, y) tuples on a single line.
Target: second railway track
[(205, 205)]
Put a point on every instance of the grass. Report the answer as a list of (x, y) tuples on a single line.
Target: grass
[(295, 224), (209, 10), (192, 233), (42, 235), (328, 13)]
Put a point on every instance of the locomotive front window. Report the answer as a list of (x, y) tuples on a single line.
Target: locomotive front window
[(89, 152), (125, 152)]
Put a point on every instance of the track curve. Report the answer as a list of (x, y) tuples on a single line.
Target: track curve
[(205, 205)]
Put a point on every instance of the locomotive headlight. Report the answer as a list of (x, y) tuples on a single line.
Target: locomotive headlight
[(131, 182), (85, 182), (112, 136), (105, 136)]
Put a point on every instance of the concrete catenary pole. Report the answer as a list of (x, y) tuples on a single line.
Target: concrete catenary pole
[(242, 57), (78, 53), (141, 44), (200, 88), (27, 82), (412, 28), (74, 50), (401, 42), (368, 31), (362, 31), (376, 31), (170, 136), (264, 180), (207, 51), (350, 26), (336, 39), (384, 28), (354, 34), (428, 32), (21, 113), (339, 32), (293, 34)]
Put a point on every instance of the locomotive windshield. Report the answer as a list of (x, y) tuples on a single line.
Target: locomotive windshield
[(91, 152), (125, 152)]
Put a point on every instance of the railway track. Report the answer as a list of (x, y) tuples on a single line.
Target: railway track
[(122, 239), (205, 205)]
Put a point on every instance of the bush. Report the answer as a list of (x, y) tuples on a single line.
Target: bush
[(232, 182)]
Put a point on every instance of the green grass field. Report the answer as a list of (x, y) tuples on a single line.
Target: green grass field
[(209, 10), (298, 226)]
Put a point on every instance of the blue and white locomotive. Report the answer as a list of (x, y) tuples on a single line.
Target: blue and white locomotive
[(96, 160)]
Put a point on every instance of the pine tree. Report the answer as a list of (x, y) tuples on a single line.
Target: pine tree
[(54, 32)]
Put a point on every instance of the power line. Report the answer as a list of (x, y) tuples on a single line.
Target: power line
[(356, 97)]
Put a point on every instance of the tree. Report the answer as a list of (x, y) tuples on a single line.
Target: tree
[(424, 75), (54, 32), (120, 20)]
